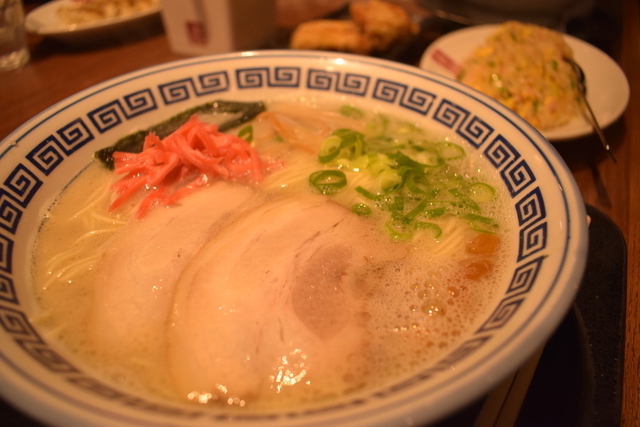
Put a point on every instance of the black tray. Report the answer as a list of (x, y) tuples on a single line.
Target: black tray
[(578, 380)]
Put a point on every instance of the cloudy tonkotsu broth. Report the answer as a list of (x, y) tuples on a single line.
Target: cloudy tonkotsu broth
[(260, 296)]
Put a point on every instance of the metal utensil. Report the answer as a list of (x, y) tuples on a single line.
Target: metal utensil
[(582, 88)]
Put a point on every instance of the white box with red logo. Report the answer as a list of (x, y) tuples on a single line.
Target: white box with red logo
[(201, 27)]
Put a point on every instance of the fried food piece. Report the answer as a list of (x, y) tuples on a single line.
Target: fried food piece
[(330, 34), (382, 23)]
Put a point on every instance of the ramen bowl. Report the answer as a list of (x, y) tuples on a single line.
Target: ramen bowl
[(548, 222)]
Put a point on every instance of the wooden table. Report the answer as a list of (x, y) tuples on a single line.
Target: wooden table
[(57, 70)]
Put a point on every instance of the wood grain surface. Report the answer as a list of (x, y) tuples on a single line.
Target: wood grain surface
[(58, 70)]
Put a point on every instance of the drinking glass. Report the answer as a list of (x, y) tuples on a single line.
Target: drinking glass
[(14, 52)]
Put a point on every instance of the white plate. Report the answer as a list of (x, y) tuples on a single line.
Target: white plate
[(607, 85), (45, 21)]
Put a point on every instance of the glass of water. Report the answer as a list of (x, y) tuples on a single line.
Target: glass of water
[(14, 52)]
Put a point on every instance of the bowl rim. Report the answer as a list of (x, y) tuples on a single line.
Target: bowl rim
[(551, 158)]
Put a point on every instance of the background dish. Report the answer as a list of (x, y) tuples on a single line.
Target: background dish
[(607, 86), (43, 155), (478, 12), (44, 21)]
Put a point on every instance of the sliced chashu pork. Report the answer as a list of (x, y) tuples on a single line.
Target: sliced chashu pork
[(269, 304), (135, 279)]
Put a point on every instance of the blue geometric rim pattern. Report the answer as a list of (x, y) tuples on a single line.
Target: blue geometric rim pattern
[(27, 177)]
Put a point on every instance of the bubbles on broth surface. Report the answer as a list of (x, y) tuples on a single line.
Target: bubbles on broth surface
[(409, 309)]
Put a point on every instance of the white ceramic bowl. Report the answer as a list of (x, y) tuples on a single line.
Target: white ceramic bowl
[(42, 156)]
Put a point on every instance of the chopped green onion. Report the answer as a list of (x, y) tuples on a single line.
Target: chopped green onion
[(480, 218), (353, 112), (378, 163), (450, 151), (421, 211), (413, 213), (328, 181), (368, 194), (351, 140), (410, 178), (246, 133), (378, 126), (346, 143), (356, 165), (463, 199), (404, 160), (398, 204), (402, 174), (389, 180), (398, 231), (435, 213), (481, 223), (361, 209), (437, 231), (429, 158), (330, 149), (480, 192)]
